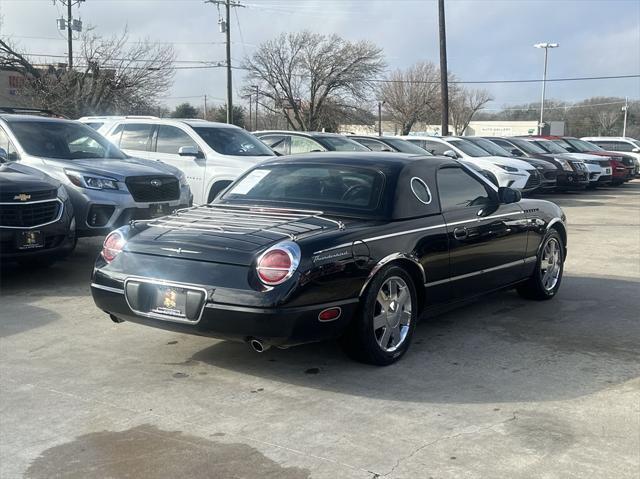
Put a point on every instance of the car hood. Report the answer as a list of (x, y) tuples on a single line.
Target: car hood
[(17, 178), (579, 156), (539, 164), (118, 169), (513, 162)]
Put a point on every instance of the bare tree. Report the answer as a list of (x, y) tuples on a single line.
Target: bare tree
[(303, 73), (411, 95), (111, 76), (464, 103), (606, 120)]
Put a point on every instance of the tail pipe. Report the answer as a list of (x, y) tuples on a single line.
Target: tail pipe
[(258, 346)]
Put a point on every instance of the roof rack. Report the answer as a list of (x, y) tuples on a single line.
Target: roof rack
[(244, 220), (18, 110)]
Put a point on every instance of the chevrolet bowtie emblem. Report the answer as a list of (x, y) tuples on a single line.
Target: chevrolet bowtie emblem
[(22, 197), (180, 250)]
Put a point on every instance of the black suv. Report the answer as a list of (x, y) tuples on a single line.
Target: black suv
[(296, 142)]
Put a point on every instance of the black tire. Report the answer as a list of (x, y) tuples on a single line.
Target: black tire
[(361, 340), (534, 287)]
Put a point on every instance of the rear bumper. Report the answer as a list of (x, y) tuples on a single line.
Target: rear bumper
[(273, 326)]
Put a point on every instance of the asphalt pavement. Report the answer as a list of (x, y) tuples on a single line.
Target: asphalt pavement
[(499, 388)]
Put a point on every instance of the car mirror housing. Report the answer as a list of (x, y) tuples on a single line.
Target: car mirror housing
[(190, 151), (508, 195), (635, 150), (451, 154), (4, 157)]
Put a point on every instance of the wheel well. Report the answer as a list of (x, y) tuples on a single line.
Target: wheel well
[(559, 227), (216, 188), (416, 275)]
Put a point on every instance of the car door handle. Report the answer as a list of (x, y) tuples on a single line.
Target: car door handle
[(460, 233)]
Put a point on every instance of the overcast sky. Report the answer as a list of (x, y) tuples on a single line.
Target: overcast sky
[(487, 39)]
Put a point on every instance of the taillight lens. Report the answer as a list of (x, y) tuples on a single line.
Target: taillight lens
[(278, 263), (112, 246)]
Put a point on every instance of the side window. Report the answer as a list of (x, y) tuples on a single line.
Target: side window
[(623, 146), (9, 150), (373, 145), (277, 143), (436, 148), (508, 146), (136, 136), (300, 144), (458, 189), (170, 139), (420, 143)]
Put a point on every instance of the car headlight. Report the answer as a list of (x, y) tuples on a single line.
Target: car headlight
[(565, 164), (62, 193), (510, 169), (92, 182)]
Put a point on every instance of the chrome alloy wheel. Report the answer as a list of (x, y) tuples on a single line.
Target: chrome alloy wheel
[(392, 314), (550, 264)]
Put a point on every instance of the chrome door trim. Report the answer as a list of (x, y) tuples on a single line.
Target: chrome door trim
[(483, 271), (388, 259)]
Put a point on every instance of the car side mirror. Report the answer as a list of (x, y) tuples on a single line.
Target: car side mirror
[(570, 149), (190, 151), (635, 150), (515, 152), (508, 195), (451, 154), (4, 157)]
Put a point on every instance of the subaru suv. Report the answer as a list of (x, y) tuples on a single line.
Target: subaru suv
[(107, 187), (210, 154)]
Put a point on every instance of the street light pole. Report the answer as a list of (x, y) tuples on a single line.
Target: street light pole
[(380, 118), (546, 47), (624, 124), (444, 80)]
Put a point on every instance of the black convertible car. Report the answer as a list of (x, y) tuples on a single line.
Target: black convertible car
[(350, 245)]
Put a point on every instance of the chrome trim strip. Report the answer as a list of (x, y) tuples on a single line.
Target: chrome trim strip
[(554, 221), (60, 213), (162, 282), (420, 180), (388, 259), (482, 271), (400, 233), (107, 288), (299, 309), (28, 202)]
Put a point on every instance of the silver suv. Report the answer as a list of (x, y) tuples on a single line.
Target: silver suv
[(107, 187), (211, 155)]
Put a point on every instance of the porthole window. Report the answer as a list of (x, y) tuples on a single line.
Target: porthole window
[(420, 190)]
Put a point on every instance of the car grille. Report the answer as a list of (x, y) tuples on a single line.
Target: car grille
[(551, 174), (27, 215), (579, 166), (534, 179), (34, 195), (148, 189)]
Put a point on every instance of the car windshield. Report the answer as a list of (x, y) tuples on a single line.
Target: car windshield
[(550, 146), (232, 141), (309, 186), (405, 146), (636, 143), (337, 143), (527, 146), (583, 146), (468, 148), (63, 140), (489, 147)]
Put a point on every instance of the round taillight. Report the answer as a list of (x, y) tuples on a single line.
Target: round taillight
[(112, 246), (274, 266)]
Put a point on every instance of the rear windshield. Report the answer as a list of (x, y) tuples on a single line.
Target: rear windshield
[(337, 143), (232, 141), (63, 140), (329, 187)]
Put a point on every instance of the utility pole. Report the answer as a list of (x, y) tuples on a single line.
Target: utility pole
[(225, 27), (380, 118), (204, 113), (444, 81), (546, 47), (257, 95), (70, 25), (625, 108)]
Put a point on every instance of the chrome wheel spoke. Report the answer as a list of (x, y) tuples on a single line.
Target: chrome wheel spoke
[(392, 314), (550, 264)]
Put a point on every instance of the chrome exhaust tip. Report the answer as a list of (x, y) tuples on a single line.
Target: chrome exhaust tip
[(258, 346)]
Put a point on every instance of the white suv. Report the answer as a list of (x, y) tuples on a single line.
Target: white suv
[(211, 155)]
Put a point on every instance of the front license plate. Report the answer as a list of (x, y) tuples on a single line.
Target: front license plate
[(30, 240), (607, 171), (170, 301), (159, 209)]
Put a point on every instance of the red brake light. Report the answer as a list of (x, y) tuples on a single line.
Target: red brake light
[(112, 246)]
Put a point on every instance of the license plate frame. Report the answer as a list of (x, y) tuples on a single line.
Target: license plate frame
[(30, 240)]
